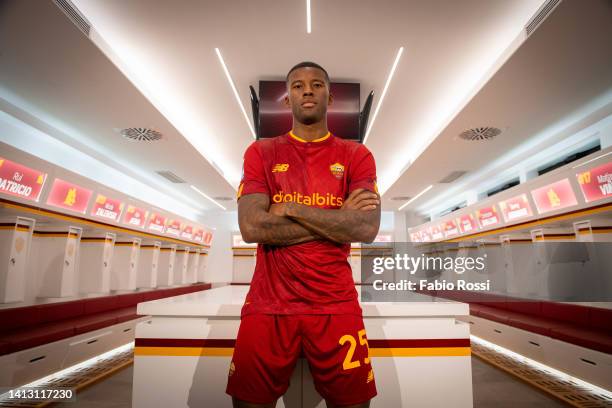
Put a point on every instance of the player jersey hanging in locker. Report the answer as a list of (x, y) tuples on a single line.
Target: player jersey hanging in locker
[(313, 277)]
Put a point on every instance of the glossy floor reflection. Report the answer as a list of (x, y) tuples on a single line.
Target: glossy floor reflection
[(493, 388)]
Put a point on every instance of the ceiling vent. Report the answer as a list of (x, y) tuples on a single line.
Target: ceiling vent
[(480, 133), (170, 176), (141, 134), (74, 15), (401, 198), (452, 176), (223, 198), (540, 16)]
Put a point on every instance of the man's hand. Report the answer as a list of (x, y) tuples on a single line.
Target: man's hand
[(259, 224), (279, 209), (361, 199), (358, 220)]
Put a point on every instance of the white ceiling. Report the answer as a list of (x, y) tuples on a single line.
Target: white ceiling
[(53, 78), (556, 84), (152, 63)]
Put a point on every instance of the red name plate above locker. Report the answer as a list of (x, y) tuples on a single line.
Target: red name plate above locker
[(108, 208), (425, 235), (515, 208), (174, 227), (415, 237), (487, 216), (467, 223), (208, 238), (436, 232), (135, 216), (187, 232), (596, 184), (69, 196), (450, 228), (554, 196), (157, 223), (21, 181), (198, 235)]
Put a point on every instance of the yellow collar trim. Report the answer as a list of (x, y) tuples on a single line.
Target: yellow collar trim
[(299, 139)]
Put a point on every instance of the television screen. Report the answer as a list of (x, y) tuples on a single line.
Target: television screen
[(342, 115)]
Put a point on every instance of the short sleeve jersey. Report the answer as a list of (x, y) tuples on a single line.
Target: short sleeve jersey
[(313, 277)]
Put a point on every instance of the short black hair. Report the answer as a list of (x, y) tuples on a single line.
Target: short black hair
[(308, 64)]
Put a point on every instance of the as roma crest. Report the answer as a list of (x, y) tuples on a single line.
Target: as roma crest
[(337, 170)]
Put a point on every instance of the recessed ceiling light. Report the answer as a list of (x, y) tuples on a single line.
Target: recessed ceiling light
[(236, 95), (384, 92), (415, 197), (207, 197)]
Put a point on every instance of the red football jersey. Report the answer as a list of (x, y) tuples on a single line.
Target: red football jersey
[(314, 277)]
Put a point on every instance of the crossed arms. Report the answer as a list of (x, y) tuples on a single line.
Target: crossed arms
[(290, 223)]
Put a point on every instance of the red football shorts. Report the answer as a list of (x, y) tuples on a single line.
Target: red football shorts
[(268, 346)]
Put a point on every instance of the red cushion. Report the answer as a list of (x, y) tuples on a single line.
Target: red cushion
[(35, 336), (174, 292), (21, 327), (93, 322), (99, 304), (16, 317), (601, 319), (128, 299), (475, 309), (525, 306), (584, 337), (53, 312), (150, 295), (532, 323), (493, 313), (566, 312), (125, 314), (485, 299)]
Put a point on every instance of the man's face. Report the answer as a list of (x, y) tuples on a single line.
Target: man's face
[(308, 95)]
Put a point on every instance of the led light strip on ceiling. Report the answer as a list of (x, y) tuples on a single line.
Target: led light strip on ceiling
[(235, 91), (384, 92), (308, 18), (197, 190), (415, 197), (592, 160)]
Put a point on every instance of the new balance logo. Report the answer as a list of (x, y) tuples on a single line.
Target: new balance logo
[(280, 168), (370, 376)]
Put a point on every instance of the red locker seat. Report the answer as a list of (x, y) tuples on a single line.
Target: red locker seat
[(93, 322), (31, 326), (29, 337), (585, 326)]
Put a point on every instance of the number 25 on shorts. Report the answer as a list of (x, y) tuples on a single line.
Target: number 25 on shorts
[(348, 360)]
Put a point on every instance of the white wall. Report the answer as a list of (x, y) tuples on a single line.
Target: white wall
[(220, 259)]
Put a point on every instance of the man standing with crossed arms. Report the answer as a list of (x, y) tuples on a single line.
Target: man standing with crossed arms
[(304, 197)]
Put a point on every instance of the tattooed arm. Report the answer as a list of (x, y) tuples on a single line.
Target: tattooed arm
[(357, 221), (259, 225)]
